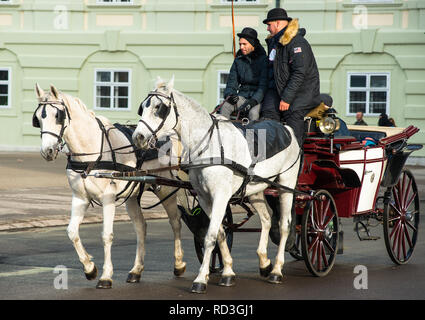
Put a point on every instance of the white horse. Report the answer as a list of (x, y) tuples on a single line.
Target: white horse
[(168, 111), (63, 117)]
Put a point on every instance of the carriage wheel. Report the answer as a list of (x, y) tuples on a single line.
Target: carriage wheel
[(319, 234), (401, 218), (216, 259)]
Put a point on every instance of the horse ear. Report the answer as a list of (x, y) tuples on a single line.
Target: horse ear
[(39, 92), (54, 91), (159, 82), (170, 84)]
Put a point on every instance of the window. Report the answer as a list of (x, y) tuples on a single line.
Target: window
[(372, 1), (5, 1), (5, 87), (112, 89), (114, 1), (368, 93), (222, 80), (239, 1)]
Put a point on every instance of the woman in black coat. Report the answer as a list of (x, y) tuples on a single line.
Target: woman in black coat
[(247, 80)]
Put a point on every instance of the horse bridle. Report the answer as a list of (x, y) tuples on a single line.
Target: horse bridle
[(163, 112), (60, 118)]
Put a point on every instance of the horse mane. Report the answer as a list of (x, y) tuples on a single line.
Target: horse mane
[(73, 103), (192, 103)]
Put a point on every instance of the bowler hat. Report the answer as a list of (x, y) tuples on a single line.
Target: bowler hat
[(277, 14), (249, 34)]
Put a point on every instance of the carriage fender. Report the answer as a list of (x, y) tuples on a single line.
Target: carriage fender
[(348, 176)]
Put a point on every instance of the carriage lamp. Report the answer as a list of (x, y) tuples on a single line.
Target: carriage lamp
[(329, 125)]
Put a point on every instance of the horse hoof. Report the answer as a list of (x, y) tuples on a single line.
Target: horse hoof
[(265, 272), (179, 272), (198, 287), (227, 281), (133, 278), (91, 275), (104, 284), (275, 278)]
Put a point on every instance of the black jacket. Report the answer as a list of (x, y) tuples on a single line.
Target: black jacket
[(295, 70), (248, 75)]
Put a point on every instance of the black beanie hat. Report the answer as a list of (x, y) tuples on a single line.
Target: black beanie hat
[(250, 35)]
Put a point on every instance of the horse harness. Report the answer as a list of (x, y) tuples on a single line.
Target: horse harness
[(60, 118), (84, 167), (164, 111)]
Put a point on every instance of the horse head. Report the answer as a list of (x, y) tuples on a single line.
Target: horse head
[(158, 114), (50, 116)]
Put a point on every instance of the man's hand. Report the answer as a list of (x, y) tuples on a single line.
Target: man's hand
[(283, 106), (232, 99), (247, 105)]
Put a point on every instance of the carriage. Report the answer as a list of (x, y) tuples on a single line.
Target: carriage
[(343, 178), (357, 175), (340, 177)]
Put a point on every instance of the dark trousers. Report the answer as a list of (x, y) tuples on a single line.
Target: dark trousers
[(291, 117)]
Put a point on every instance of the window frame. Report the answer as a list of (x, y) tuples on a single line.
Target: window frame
[(371, 1), (9, 86), (242, 2), (220, 85), (114, 3), (368, 89), (112, 84)]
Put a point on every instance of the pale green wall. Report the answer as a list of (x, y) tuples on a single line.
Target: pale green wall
[(187, 38)]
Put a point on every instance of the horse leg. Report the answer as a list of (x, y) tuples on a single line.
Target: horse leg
[(218, 210), (285, 200), (108, 203), (260, 205), (228, 277), (139, 224), (174, 217), (79, 207)]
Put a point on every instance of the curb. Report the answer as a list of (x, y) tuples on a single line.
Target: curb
[(60, 220)]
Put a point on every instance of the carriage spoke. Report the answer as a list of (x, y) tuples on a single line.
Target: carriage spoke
[(399, 242), (396, 236), (395, 194), (395, 228), (403, 184), (407, 191), (322, 221), (313, 244), (325, 260), (396, 209), (328, 245), (328, 221), (410, 200), (403, 236), (319, 258), (411, 226), (409, 241), (313, 249)]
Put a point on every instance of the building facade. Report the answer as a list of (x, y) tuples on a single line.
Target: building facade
[(370, 53)]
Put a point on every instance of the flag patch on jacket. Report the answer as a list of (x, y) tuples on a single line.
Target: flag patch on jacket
[(297, 50)]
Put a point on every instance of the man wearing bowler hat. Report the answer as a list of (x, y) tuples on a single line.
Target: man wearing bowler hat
[(293, 86), (293, 77), (247, 80)]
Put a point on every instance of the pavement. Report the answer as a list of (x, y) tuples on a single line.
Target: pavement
[(35, 193)]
